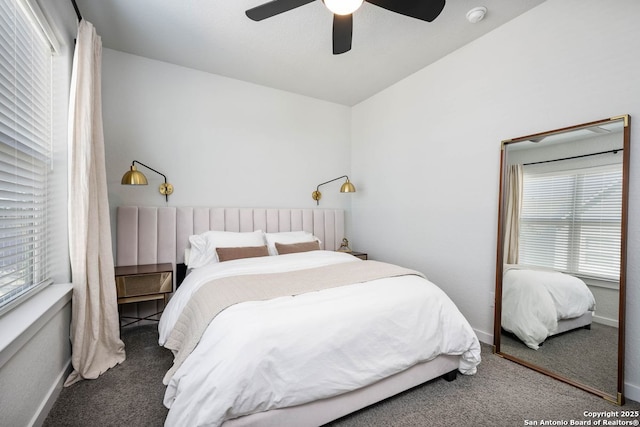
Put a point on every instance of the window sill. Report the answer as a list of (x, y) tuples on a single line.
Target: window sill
[(20, 324), (600, 283)]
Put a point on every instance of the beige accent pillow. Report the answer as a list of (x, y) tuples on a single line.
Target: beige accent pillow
[(228, 254), (287, 237), (291, 248)]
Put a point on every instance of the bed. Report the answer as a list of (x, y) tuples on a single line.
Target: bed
[(538, 303), (309, 355)]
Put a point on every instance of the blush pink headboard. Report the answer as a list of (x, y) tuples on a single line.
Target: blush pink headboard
[(153, 235)]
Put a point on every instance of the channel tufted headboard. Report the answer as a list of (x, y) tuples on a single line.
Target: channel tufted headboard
[(153, 235)]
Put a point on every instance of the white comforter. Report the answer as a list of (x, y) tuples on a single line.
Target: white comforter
[(287, 351), (534, 300)]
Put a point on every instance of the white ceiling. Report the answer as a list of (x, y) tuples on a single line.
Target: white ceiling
[(292, 51)]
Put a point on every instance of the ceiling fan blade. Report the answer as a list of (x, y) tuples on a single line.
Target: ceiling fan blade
[(425, 10), (342, 33), (273, 8)]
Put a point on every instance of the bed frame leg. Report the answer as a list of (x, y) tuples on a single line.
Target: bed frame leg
[(450, 376)]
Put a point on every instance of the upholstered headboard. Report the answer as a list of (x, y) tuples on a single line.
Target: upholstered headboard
[(153, 235)]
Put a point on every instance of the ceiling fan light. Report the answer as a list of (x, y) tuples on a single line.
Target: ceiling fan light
[(343, 7)]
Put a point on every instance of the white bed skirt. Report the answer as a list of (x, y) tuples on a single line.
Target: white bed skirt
[(576, 322), (320, 412)]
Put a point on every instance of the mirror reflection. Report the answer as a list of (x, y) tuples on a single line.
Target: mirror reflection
[(560, 279)]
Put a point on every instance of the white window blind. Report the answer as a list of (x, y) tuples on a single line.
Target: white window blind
[(571, 221), (25, 151)]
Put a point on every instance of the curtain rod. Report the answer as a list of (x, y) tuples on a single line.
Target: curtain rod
[(75, 7), (614, 151)]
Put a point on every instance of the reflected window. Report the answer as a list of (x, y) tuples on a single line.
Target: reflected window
[(571, 221)]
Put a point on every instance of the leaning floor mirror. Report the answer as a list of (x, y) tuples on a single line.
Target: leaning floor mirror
[(561, 258)]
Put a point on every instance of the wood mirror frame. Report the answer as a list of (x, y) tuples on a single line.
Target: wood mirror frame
[(500, 339)]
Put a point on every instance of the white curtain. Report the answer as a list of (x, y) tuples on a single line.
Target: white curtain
[(95, 327), (513, 209)]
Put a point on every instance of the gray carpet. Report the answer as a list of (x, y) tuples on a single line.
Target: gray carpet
[(589, 356), (502, 393), (129, 394)]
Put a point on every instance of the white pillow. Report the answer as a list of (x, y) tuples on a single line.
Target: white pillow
[(288, 237), (203, 246)]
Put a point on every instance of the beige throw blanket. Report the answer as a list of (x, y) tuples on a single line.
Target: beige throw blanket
[(218, 294)]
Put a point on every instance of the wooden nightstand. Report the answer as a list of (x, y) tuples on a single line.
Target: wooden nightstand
[(361, 255), (138, 283)]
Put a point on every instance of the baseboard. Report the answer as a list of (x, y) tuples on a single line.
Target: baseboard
[(484, 336), (51, 397), (632, 392), (605, 321)]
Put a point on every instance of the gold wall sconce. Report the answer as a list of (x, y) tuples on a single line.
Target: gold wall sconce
[(135, 177), (347, 187)]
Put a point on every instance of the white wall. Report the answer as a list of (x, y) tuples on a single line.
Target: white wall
[(436, 135), (219, 141), (35, 356)]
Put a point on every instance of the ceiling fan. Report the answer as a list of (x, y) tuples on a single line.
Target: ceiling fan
[(425, 10)]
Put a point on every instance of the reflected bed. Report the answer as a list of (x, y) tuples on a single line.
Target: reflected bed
[(539, 303)]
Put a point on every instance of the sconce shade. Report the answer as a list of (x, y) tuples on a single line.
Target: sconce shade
[(348, 187), (134, 177)]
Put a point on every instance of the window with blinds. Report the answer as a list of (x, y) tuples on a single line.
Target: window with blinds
[(571, 221), (25, 151)]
